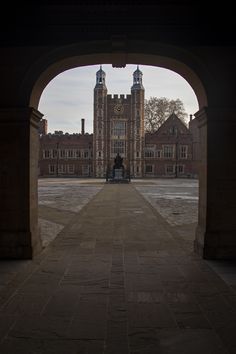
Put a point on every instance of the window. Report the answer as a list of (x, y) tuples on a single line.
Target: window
[(52, 169), (118, 146), (158, 153), (54, 154), (62, 154), (137, 154), (168, 151), (170, 169), (173, 130), (85, 170), (149, 168), (99, 154), (70, 153), (86, 154), (180, 168), (118, 128), (149, 153), (137, 169), (62, 169), (46, 154), (71, 168), (183, 151)]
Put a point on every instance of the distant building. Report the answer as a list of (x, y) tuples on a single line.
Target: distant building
[(168, 151), (43, 127), (172, 151), (118, 127), (66, 154)]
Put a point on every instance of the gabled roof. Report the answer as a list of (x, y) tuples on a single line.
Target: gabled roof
[(165, 130), (173, 120)]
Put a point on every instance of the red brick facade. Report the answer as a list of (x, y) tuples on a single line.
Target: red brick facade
[(169, 152), (172, 151), (66, 155)]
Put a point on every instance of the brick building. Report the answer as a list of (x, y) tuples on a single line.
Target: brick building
[(169, 151), (173, 150), (66, 154)]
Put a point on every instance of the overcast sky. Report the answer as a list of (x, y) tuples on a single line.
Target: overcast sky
[(69, 96)]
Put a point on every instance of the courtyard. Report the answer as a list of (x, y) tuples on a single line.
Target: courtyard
[(117, 274), (176, 200)]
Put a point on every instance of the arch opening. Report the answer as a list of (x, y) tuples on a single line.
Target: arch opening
[(52, 70), (195, 82), (53, 63)]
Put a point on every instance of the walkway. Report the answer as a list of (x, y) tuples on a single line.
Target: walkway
[(117, 280)]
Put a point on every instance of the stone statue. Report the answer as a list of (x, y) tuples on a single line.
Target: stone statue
[(118, 161)]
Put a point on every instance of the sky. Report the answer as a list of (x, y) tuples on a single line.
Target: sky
[(69, 96)]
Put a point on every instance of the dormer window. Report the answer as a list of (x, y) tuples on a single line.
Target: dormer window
[(173, 130)]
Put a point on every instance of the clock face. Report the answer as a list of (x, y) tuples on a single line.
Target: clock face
[(118, 109)]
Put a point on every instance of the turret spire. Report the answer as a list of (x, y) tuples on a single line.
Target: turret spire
[(100, 78), (137, 79)]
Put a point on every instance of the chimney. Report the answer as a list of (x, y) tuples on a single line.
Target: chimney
[(82, 126), (43, 127), (191, 117)]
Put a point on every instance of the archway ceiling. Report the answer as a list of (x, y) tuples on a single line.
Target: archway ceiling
[(179, 22)]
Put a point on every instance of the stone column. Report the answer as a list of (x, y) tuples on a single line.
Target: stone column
[(216, 231), (19, 144)]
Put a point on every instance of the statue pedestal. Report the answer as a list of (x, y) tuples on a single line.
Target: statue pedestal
[(118, 173), (118, 176)]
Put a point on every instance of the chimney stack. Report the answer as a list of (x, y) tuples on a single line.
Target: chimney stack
[(43, 127), (191, 117), (82, 126)]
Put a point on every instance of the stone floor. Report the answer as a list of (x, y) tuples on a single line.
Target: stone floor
[(119, 278)]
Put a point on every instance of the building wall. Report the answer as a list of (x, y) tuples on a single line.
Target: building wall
[(172, 151), (163, 155), (169, 151), (66, 155), (118, 127)]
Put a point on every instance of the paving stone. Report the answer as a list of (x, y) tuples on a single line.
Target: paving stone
[(6, 323), (22, 304), (42, 346), (118, 278), (143, 340), (191, 320), (62, 304), (39, 327), (150, 315), (142, 282), (89, 330), (117, 346), (146, 297), (187, 341)]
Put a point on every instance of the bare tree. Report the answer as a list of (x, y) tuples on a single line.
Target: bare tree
[(157, 110)]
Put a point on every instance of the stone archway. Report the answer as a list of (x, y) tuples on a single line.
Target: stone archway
[(52, 62)]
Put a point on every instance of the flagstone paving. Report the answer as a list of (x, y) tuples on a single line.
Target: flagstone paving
[(118, 279)]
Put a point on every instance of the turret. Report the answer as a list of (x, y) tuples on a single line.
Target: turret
[(100, 78), (137, 79), (137, 124), (100, 124)]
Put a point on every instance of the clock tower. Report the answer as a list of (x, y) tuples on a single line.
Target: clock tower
[(118, 127), (137, 125), (100, 125)]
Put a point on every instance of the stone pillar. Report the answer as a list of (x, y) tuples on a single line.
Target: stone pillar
[(216, 231), (19, 144), (202, 174)]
